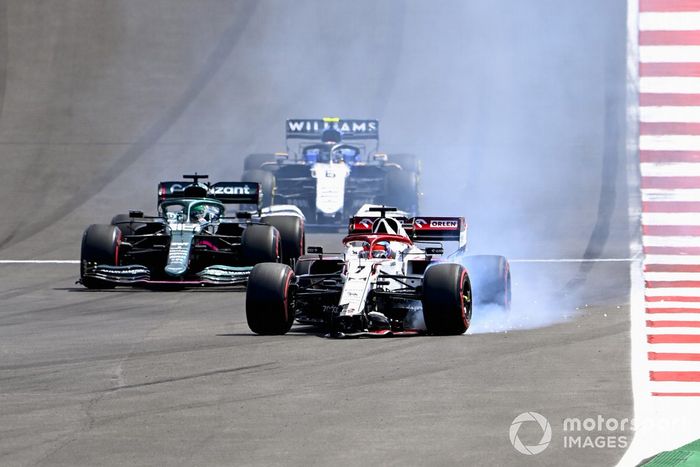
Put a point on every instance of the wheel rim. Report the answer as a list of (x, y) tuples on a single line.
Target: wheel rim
[(466, 305), (466, 302)]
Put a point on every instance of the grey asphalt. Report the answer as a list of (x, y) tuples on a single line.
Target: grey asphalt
[(517, 109)]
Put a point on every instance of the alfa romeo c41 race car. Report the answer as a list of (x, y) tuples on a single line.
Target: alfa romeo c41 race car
[(332, 168), (382, 284), (191, 241)]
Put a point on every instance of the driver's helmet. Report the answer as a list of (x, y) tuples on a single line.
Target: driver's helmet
[(331, 135), (348, 154), (381, 249), (337, 155), (202, 213)]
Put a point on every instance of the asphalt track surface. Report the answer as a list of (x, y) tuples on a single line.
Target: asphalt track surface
[(518, 111)]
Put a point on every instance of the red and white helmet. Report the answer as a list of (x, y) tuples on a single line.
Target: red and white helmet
[(380, 249)]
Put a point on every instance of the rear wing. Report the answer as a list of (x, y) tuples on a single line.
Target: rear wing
[(428, 229), (226, 192), (419, 229), (350, 129)]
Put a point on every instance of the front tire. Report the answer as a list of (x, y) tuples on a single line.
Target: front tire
[(291, 229), (447, 303), (100, 245), (260, 244), (268, 304)]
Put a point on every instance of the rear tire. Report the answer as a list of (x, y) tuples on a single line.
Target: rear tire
[(255, 161), (100, 245), (402, 190), (291, 229), (266, 181), (490, 278), (260, 244), (268, 307), (408, 162), (447, 305)]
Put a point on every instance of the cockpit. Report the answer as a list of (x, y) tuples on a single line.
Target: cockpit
[(376, 247), (189, 211), (327, 153)]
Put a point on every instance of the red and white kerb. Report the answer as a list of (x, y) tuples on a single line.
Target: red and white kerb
[(669, 150)]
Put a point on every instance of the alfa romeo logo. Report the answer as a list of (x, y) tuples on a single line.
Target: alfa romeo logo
[(535, 448)]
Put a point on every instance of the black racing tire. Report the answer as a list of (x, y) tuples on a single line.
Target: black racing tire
[(409, 162), (490, 279), (100, 245), (266, 181), (291, 229), (447, 304), (255, 161), (268, 304), (260, 244), (402, 190)]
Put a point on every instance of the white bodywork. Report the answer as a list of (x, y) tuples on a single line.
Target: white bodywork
[(362, 271), (280, 210), (330, 186)]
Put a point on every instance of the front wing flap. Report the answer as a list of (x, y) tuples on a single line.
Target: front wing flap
[(135, 275)]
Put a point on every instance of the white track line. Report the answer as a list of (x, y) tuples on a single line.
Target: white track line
[(519, 260), (573, 260), (39, 261)]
